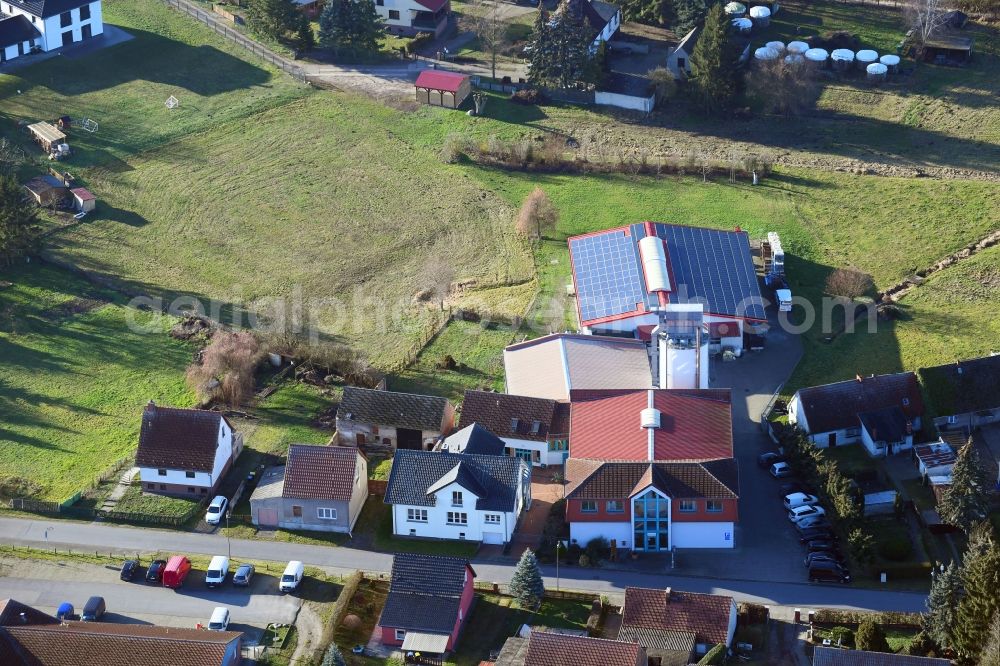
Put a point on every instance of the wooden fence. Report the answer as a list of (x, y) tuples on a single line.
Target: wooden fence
[(377, 487)]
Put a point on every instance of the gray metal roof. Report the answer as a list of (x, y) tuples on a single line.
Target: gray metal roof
[(402, 410), (494, 479), (475, 439), (425, 592)]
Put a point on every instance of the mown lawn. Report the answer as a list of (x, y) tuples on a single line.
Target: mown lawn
[(73, 380), (135, 501)]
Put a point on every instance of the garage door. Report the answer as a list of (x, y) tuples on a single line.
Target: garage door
[(267, 517), (493, 538)]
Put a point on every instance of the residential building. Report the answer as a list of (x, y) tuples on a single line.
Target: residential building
[(601, 18), (319, 488), (964, 394), (552, 366), (473, 439), (376, 420), (671, 617), (184, 451), (29, 637), (935, 460), (545, 648), (412, 17), (46, 25), (848, 412), (653, 506), (833, 656), (428, 603), (533, 429), (457, 495), (624, 278)]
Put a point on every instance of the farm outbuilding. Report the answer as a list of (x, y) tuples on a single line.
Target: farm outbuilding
[(46, 135), (947, 47), (447, 89), (83, 199), (46, 190)]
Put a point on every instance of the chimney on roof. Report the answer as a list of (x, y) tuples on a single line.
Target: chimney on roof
[(24, 617), (668, 591)]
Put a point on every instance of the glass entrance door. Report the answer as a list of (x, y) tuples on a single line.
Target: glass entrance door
[(651, 522)]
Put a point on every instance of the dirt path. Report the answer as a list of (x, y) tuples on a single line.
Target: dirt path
[(309, 628)]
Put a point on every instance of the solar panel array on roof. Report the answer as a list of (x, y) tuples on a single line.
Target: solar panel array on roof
[(608, 279)]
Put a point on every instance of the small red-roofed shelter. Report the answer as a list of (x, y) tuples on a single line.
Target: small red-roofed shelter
[(440, 88)]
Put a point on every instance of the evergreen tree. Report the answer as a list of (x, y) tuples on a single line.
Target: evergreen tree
[(526, 583), (687, 14), (333, 656), (870, 636), (305, 40), (271, 18), (331, 26), (713, 65), (365, 29), (981, 579), (540, 53), (942, 605), (350, 27), (18, 220), (991, 651), (966, 501), (561, 48)]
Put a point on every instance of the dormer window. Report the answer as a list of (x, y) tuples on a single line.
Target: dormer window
[(456, 498), (513, 424), (536, 427)]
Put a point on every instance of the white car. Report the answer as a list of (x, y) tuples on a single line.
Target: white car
[(781, 470), (219, 620), (216, 510), (805, 511), (800, 499)]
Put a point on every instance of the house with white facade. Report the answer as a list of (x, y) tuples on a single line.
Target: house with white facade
[(46, 25), (412, 17), (533, 429), (460, 496), (184, 451)]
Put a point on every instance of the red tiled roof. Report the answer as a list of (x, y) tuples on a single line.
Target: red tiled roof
[(550, 649), (706, 615), (173, 438), (320, 472), (695, 424), (436, 79), (594, 479)]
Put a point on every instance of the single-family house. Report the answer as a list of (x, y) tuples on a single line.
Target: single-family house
[(29, 637), (553, 365), (440, 88), (319, 488), (428, 603), (835, 656), (679, 57), (653, 506), (473, 439), (184, 451), (438, 495), (625, 278), (965, 394), (602, 19), (534, 429), (652, 617), (412, 17), (46, 25), (387, 420), (547, 648), (831, 414)]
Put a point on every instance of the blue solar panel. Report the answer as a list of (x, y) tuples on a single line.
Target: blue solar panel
[(609, 279)]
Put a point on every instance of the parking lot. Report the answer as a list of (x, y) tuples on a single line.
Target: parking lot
[(46, 584)]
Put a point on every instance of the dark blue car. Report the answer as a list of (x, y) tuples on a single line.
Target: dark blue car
[(65, 611)]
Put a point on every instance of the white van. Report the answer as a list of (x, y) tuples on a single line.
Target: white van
[(292, 576), (218, 569), (219, 620)]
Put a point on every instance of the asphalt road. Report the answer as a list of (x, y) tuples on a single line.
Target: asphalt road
[(85, 536)]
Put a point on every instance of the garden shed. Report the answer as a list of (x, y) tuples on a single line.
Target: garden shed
[(46, 190), (46, 134), (83, 199), (945, 47), (438, 88)]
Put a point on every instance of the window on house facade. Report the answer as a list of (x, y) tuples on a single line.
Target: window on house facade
[(380, 3), (458, 518), (297, 511), (189, 475), (588, 506), (400, 634), (713, 506), (326, 513), (853, 432), (616, 506), (65, 19), (492, 518), (514, 423), (456, 498), (191, 489), (84, 12), (687, 506), (161, 472), (163, 486), (536, 427), (416, 515), (393, 15)]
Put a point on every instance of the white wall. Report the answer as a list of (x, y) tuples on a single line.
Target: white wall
[(51, 27), (437, 526), (582, 532), (178, 477), (702, 535), (223, 450), (545, 456), (644, 104)]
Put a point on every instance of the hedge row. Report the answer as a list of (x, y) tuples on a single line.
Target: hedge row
[(884, 618)]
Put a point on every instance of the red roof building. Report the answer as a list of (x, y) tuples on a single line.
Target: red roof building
[(440, 88), (651, 615)]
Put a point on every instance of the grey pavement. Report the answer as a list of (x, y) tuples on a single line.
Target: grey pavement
[(111, 36)]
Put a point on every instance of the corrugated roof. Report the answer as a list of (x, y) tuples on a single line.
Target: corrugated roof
[(681, 642), (320, 472), (695, 424), (391, 408), (182, 439), (836, 406), (414, 472), (705, 615), (885, 425), (272, 483)]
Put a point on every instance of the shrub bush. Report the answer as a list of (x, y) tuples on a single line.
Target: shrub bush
[(842, 636), (716, 655), (528, 96), (598, 549), (895, 548), (906, 570)]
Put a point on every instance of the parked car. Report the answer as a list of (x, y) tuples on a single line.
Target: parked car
[(176, 571), (244, 574), (822, 545), (805, 511), (218, 569), (219, 620), (799, 499), (291, 577), (129, 569), (94, 609), (216, 510), (813, 521), (828, 572), (814, 558), (765, 460), (791, 487), (154, 573), (65, 611), (781, 470), (811, 533)]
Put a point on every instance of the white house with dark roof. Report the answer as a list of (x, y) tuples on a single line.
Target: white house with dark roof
[(473, 439), (461, 496), (46, 24), (412, 17), (386, 420), (184, 451)]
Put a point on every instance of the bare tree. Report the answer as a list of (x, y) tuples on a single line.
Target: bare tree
[(227, 367), (437, 275), (848, 283), (490, 27), (664, 83), (776, 86), (537, 215), (925, 17)]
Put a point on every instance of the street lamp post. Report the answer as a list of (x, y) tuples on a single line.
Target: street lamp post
[(558, 546), (229, 542)]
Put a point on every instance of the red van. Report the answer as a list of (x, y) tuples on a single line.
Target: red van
[(176, 571)]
